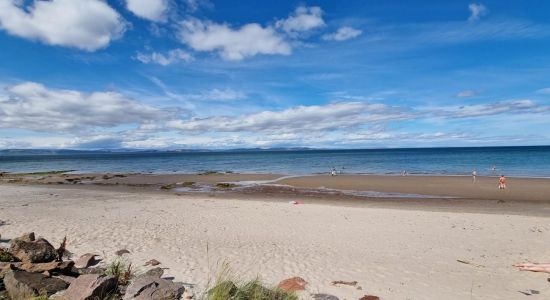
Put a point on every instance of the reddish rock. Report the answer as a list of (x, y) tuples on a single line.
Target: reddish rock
[(86, 260), (152, 262), (90, 287), (43, 267), (293, 284)]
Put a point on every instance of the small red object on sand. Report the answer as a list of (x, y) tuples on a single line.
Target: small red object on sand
[(293, 284)]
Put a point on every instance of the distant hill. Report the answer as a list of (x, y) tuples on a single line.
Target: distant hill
[(15, 152)]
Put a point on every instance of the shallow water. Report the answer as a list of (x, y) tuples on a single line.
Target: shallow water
[(511, 161)]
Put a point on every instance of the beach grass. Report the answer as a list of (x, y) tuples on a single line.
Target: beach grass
[(228, 286), (122, 270)]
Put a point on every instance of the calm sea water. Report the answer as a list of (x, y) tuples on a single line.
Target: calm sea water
[(511, 161)]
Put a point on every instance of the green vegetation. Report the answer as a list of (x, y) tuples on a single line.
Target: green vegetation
[(122, 270), (5, 256), (227, 287), (225, 185), (168, 186)]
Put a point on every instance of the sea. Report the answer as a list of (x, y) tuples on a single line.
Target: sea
[(531, 161)]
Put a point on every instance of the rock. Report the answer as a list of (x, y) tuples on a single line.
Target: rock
[(293, 284), (54, 266), (122, 252), (152, 262), (90, 287), (39, 251), (87, 271), (370, 297), (23, 285), (351, 283), (6, 268), (86, 260), (324, 297), (27, 237), (156, 272), (223, 290), (152, 288), (67, 279)]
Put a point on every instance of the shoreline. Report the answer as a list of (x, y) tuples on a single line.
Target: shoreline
[(443, 186), (438, 193)]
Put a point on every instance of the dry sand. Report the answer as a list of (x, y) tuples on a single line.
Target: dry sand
[(392, 253)]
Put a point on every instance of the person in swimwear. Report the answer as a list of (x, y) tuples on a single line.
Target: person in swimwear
[(533, 267), (501, 182)]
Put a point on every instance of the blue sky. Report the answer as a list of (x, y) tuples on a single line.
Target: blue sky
[(89, 74)]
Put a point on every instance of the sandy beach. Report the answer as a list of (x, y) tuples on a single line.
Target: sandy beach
[(393, 253)]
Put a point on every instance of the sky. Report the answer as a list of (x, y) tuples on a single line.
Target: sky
[(205, 74)]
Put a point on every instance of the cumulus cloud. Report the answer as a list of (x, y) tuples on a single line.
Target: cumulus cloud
[(476, 11), (173, 56), (32, 106), (232, 44), (296, 119), (342, 34), (302, 20), (466, 94), (83, 24), (152, 10)]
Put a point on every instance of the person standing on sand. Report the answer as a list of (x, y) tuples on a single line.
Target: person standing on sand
[(333, 172), (474, 174), (502, 182)]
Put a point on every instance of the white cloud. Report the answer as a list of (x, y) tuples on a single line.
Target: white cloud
[(232, 44), (216, 95), (83, 24), (152, 10), (488, 109), (302, 20), (32, 106), (342, 34), (173, 56), (476, 11), (466, 94), (194, 5), (297, 119)]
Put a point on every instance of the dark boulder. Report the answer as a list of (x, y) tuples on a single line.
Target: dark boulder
[(33, 251), (151, 288), (23, 285)]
